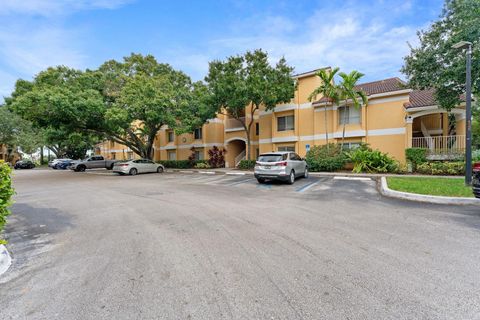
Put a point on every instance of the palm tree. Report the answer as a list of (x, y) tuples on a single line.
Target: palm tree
[(328, 90), (349, 93)]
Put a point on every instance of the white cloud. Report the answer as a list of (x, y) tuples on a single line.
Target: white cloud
[(347, 38)]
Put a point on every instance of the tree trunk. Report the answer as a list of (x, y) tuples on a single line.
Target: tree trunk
[(326, 128), (344, 122), (41, 155)]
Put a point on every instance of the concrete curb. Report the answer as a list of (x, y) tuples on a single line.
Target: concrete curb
[(190, 171), (5, 259), (386, 191)]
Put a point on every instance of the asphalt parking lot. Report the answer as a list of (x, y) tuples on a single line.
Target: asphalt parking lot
[(96, 245)]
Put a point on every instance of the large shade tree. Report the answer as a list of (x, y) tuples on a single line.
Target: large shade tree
[(141, 96), (241, 85), (435, 64)]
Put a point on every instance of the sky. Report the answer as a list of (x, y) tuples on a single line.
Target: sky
[(369, 36)]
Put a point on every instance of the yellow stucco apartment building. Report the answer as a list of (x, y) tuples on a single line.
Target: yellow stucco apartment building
[(395, 118)]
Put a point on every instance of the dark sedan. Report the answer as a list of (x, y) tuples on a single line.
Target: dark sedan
[(476, 180), (24, 164)]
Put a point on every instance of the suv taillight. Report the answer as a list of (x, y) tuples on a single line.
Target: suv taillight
[(282, 164)]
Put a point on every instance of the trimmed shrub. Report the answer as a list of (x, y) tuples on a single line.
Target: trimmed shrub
[(6, 193), (416, 156), (372, 161), (329, 157), (476, 155), (216, 157), (246, 164), (180, 164), (202, 165), (442, 168)]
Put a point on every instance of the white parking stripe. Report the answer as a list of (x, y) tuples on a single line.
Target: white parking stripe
[(352, 178)]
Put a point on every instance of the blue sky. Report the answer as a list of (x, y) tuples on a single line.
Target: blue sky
[(368, 36)]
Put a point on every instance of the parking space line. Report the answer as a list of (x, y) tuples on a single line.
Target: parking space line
[(236, 173), (206, 172), (307, 186), (264, 186), (239, 182), (352, 178)]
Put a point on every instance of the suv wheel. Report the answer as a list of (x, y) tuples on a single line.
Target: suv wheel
[(160, 169), (305, 174), (81, 168), (291, 178), (133, 172)]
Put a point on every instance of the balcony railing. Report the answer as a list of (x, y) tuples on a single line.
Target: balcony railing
[(441, 146), (232, 123)]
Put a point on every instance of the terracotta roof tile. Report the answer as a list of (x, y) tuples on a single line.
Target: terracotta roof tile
[(375, 87), (420, 98)]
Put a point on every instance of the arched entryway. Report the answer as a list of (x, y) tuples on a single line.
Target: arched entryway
[(236, 151)]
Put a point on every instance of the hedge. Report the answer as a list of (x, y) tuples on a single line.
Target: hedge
[(442, 168), (416, 156), (329, 157), (6, 193), (246, 164), (181, 164)]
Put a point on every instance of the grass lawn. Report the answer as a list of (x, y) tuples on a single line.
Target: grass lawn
[(435, 186)]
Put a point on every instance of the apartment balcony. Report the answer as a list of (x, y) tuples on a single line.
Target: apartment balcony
[(441, 147), (232, 124)]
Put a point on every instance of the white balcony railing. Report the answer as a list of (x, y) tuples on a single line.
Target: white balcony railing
[(441, 145), (232, 123)]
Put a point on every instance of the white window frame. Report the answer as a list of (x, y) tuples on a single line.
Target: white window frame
[(289, 148), (198, 155), (354, 117), (170, 154), (288, 123)]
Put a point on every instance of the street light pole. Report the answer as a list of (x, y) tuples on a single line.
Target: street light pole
[(468, 121)]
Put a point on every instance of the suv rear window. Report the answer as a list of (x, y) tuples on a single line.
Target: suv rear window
[(272, 157)]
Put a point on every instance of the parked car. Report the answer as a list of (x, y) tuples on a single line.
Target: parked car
[(133, 167), (284, 166), (53, 163), (476, 180), (92, 162), (64, 164), (24, 164)]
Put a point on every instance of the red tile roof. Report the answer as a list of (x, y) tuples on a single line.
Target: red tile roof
[(421, 98), (376, 87)]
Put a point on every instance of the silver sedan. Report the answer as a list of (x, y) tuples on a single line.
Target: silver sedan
[(134, 167)]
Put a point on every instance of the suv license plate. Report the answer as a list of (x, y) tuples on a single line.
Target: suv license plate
[(267, 167)]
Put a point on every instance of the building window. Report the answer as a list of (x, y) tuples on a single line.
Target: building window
[(198, 155), (290, 148), (172, 155), (257, 129), (197, 133), (351, 145), (285, 123), (349, 115), (257, 152), (171, 136), (113, 156), (130, 155)]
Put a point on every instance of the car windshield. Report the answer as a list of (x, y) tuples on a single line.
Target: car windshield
[(271, 158)]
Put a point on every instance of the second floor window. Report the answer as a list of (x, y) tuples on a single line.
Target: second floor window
[(257, 129), (349, 115), (197, 133), (171, 136), (285, 123)]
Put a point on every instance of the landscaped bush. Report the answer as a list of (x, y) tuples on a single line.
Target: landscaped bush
[(442, 168), (329, 157), (180, 164), (246, 164), (416, 156), (216, 157), (476, 155), (202, 165), (6, 192), (372, 161)]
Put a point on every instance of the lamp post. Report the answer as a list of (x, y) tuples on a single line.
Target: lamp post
[(468, 121)]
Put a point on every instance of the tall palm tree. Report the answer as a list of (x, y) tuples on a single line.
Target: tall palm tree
[(328, 90), (350, 94)]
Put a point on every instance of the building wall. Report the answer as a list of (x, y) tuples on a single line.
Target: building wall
[(383, 124)]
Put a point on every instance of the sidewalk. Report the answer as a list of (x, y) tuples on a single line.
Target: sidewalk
[(316, 174)]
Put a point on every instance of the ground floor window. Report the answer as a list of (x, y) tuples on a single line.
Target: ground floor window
[(351, 145), (113, 156), (257, 152), (290, 148), (130, 155), (172, 155), (198, 155)]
